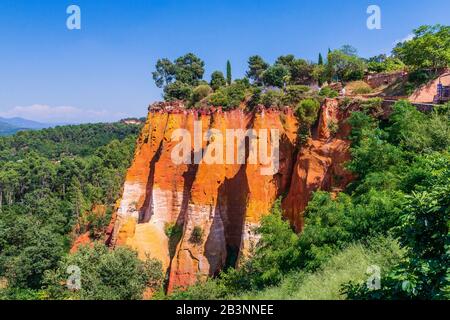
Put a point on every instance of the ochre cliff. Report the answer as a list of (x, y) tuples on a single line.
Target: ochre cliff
[(320, 163), (216, 207)]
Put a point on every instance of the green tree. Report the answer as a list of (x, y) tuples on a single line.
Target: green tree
[(424, 231), (229, 76), (345, 67), (275, 76), (300, 71), (28, 250), (430, 48), (383, 63), (320, 62), (178, 90), (105, 275), (256, 68), (165, 72), (307, 112), (273, 256), (189, 69), (217, 80), (200, 92)]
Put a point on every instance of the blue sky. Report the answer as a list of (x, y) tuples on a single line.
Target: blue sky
[(103, 71)]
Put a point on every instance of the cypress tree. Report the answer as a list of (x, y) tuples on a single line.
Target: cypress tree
[(229, 72), (320, 59)]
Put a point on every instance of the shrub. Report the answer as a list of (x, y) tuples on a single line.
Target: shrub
[(177, 91), (105, 275), (359, 87), (347, 265), (174, 232), (218, 99), (424, 274), (197, 235), (327, 92), (333, 126), (373, 106), (272, 98), (294, 94), (217, 80), (200, 92), (307, 111), (231, 96), (276, 76)]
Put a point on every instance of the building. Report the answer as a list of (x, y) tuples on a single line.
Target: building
[(443, 91)]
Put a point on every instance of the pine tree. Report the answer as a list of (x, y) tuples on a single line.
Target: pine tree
[(229, 78), (320, 59)]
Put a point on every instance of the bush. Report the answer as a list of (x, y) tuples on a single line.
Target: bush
[(424, 274), (200, 92), (373, 106), (359, 87), (276, 76), (197, 235), (327, 92), (218, 99), (307, 111), (105, 275), (272, 98), (177, 91), (217, 80), (333, 126), (326, 283), (231, 96), (294, 94), (383, 63)]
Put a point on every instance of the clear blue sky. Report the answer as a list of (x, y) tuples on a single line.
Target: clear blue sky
[(103, 71)]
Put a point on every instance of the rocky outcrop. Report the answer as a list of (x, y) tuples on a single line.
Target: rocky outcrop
[(197, 217), (320, 163)]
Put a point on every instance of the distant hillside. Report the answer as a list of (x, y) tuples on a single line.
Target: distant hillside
[(25, 123), (13, 125), (7, 129)]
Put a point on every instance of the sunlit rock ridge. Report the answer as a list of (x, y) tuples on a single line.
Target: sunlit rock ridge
[(165, 205)]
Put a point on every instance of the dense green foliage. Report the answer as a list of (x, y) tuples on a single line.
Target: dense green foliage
[(105, 275), (326, 283), (429, 48), (276, 76), (421, 57), (307, 112), (49, 181), (344, 65), (383, 63), (256, 68), (217, 80)]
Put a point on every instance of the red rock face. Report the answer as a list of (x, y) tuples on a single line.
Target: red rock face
[(216, 207), (320, 164)]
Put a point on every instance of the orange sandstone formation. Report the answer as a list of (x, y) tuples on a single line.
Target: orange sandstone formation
[(216, 207), (320, 163)]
